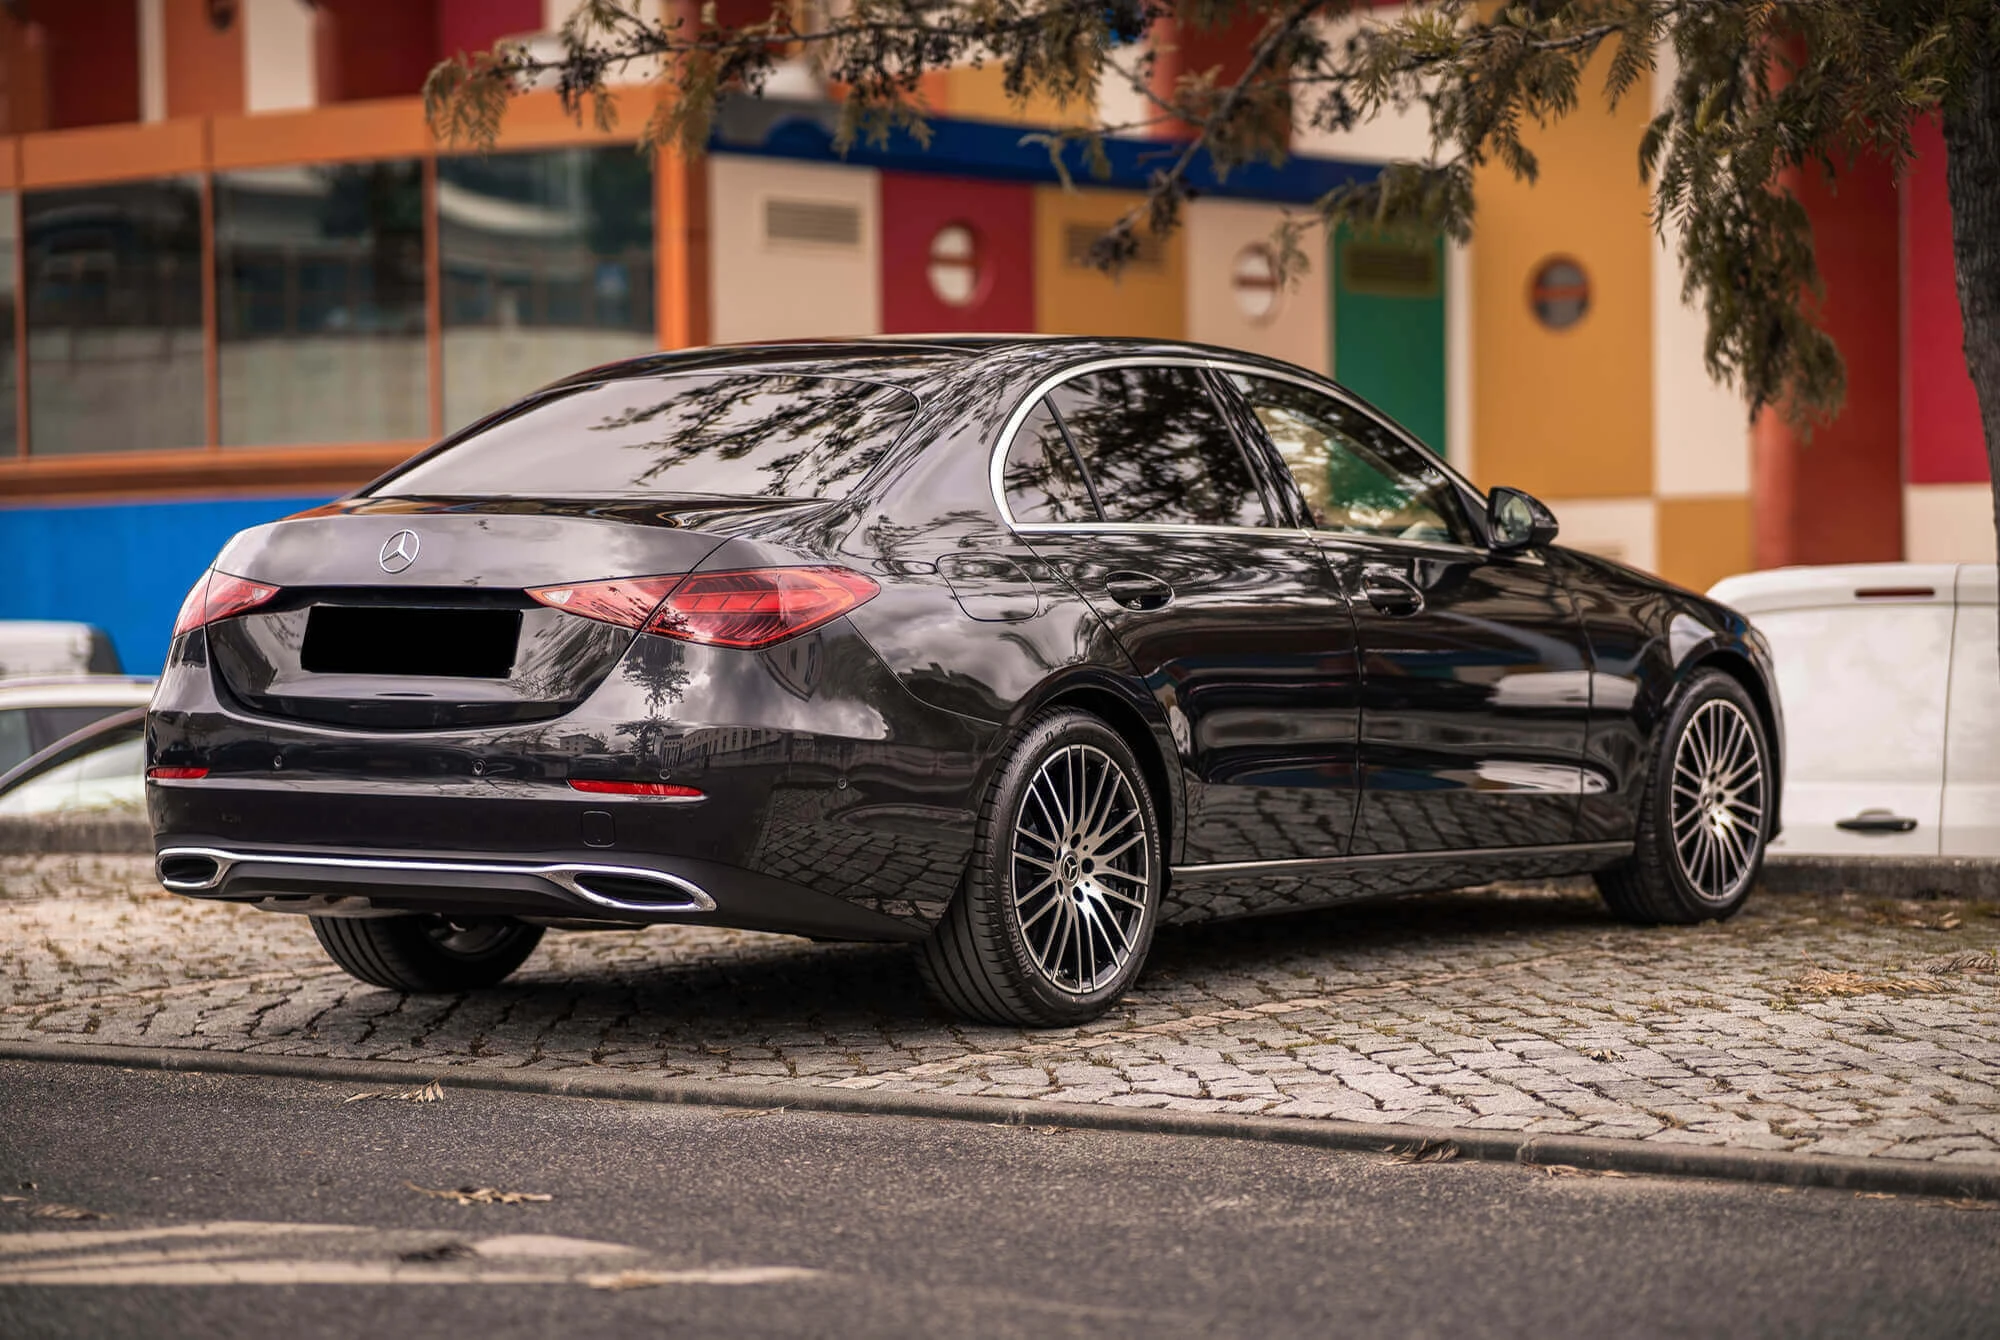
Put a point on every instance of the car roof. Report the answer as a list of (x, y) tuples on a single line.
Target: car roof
[(76, 691), (1842, 585)]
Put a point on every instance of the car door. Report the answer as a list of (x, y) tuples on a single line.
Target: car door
[(1475, 669), (1234, 623)]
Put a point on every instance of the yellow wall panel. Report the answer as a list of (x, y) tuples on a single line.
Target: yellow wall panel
[(1148, 297), (1703, 540), (981, 95), (1567, 412)]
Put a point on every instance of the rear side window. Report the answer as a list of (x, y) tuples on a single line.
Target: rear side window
[(740, 434), (1041, 476), (1158, 449)]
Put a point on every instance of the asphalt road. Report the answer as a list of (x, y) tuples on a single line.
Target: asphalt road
[(248, 1206)]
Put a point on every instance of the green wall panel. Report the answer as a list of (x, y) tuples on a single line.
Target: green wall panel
[(1388, 328)]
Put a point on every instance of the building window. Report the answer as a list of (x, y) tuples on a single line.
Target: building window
[(114, 317), (547, 263), (319, 275), (954, 265), (1253, 278), (1560, 293)]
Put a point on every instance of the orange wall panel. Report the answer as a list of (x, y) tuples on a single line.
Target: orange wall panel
[(1567, 413), (389, 128), (204, 64), (1149, 298), (1703, 540), (112, 153)]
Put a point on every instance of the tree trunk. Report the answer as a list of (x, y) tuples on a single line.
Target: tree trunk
[(1972, 180)]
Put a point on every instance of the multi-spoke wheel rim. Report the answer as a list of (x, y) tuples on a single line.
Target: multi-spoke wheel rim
[(1082, 868), (1718, 800)]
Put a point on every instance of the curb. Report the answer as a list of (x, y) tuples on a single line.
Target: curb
[(1885, 876), (1592, 1153)]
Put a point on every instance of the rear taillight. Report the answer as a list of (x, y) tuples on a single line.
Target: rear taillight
[(747, 609), (175, 774), (220, 596), (658, 790)]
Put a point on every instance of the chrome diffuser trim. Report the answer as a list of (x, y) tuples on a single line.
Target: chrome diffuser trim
[(565, 875)]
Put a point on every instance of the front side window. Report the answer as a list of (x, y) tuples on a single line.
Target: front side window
[(1157, 448), (1041, 476), (732, 434), (1356, 476)]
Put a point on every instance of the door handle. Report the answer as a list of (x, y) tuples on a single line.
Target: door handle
[(1389, 591), (1138, 590), (1876, 821)]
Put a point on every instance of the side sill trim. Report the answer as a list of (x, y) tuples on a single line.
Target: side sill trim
[(565, 875), (1308, 864)]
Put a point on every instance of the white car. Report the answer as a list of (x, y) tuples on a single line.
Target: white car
[(43, 647), (1890, 677), (35, 713)]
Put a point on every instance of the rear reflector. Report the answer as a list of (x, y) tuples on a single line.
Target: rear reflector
[(746, 609), (175, 774), (220, 596), (663, 790)]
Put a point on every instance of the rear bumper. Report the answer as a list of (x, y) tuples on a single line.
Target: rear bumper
[(585, 888)]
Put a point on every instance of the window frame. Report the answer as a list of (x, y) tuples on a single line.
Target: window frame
[(1277, 519)]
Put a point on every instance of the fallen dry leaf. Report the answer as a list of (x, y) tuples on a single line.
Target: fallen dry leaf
[(57, 1210), (480, 1195), (1827, 982), (754, 1112), (1428, 1151), (1603, 1054), (1922, 914), (1571, 1170), (1967, 1203), (429, 1093), (1874, 1195), (1970, 960)]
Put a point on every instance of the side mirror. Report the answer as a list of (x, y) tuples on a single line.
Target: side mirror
[(1517, 520)]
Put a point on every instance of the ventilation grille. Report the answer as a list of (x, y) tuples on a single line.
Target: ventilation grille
[(819, 223), (1079, 237), (1390, 270)]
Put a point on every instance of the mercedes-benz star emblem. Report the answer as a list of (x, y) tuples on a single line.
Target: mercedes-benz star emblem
[(400, 551)]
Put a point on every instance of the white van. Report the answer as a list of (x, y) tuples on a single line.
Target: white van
[(1890, 681)]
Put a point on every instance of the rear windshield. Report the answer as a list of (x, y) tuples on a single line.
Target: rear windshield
[(735, 434)]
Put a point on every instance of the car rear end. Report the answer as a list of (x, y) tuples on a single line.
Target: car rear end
[(591, 664)]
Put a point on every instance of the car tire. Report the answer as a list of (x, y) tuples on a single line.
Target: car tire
[(1704, 815), (426, 954), (1056, 912)]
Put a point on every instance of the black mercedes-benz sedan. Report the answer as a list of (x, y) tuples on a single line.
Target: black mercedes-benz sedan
[(1011, 648)]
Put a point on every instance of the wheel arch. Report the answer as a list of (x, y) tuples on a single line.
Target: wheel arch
[(1122, 715)]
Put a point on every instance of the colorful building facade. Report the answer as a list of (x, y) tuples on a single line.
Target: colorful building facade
[(237, 277)]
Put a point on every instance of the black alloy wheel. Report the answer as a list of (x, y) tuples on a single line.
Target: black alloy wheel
[(1706, 813), (1060, 898), (427, 954)]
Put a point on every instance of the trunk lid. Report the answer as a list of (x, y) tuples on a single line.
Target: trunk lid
[(411, 614)]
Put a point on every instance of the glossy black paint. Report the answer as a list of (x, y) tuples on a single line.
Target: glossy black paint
[(1289, 701)]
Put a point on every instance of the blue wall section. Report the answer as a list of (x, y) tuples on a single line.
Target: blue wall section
[(124, 567)]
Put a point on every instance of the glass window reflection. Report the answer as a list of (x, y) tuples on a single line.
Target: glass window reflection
[(320, 304), (1157, 448), (1043, 480), (547, 266), (114, 317)]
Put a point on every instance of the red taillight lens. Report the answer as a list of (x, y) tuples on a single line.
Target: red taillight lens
[(663, 790), (220, 596), (626, 602), (747, 609), (758, 607), (175, 774)]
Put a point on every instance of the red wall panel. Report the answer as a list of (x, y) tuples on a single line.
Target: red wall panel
[(93, 60), (1942, 439), (374, 48), (475, 25), (1833, 499), (1001, 216)]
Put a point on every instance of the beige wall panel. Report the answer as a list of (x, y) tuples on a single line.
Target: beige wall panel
[(794, 249), (1388, 135), (279, 68), (1620, 528), (1148, 297), (1948, 523), (1218, 231)]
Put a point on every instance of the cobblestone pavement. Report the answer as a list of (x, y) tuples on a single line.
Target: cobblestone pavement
[(1828, 1024)]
